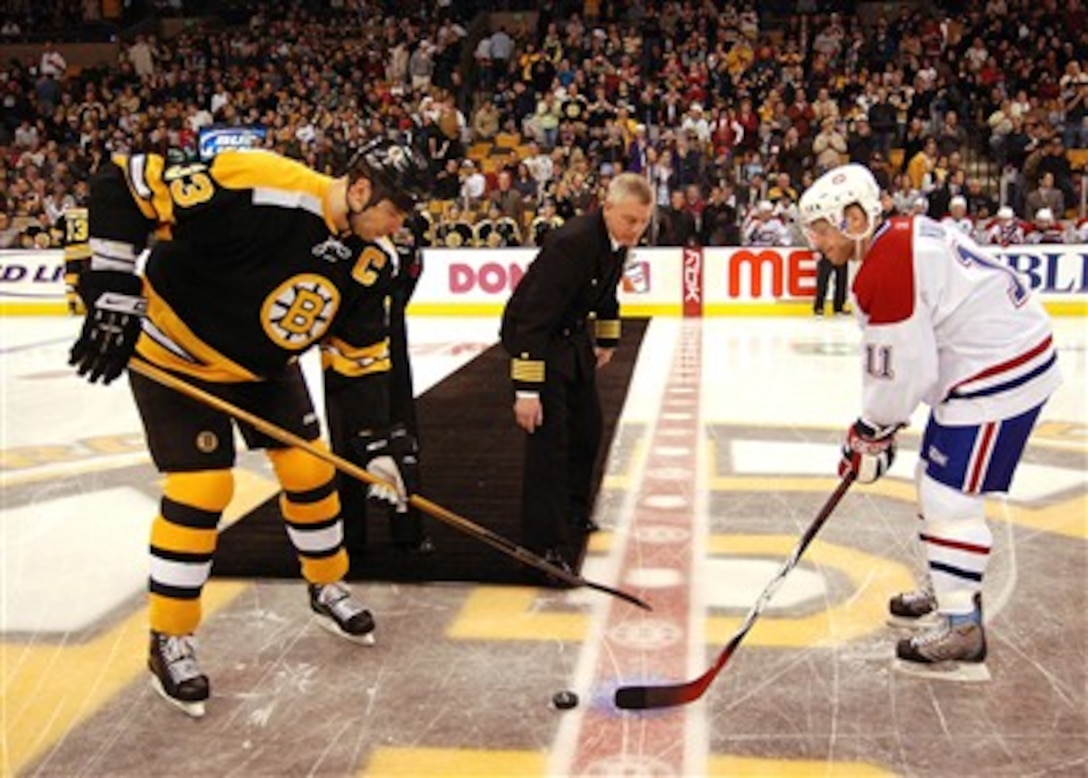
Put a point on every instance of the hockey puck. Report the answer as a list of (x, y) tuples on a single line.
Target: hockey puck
[(564, 700)]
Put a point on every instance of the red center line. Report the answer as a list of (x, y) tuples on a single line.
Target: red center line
[(659, 553)]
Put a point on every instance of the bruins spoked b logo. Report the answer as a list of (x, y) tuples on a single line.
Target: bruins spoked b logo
[(299, 310), (206, 441)]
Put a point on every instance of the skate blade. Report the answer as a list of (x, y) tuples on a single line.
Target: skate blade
[(920, 624), (330, 626), (192, 709), (960, 672)]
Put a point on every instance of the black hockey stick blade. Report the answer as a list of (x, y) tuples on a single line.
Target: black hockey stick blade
[(668, 695), (625, 596)]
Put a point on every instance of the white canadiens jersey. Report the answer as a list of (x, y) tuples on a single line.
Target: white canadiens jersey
[(772, 232), (1049, 234), (963, 224), (1004, 233), (945, 324)]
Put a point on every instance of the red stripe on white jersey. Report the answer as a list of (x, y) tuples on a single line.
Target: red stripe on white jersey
[(980, 457)]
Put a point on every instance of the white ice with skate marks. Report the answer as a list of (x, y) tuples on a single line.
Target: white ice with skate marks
[(778, 374), (76, 550)]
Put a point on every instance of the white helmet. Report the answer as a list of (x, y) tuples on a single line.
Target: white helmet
[(1005, 212), (1044, 215), (831, 194)]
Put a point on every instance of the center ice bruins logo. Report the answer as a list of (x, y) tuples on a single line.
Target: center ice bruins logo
[(299, 311)]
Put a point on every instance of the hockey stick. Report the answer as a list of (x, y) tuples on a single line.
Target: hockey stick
[(645, 697), (445, 515)]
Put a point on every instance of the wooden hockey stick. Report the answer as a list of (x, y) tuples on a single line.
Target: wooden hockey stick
[(665, 696), (444, 515)]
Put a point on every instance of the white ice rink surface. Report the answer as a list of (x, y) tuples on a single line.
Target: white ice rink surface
[(774, 395)]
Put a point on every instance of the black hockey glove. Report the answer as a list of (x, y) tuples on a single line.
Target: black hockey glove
[(115, 308)]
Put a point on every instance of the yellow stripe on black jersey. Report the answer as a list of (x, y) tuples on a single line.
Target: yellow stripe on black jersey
[(354, 361)]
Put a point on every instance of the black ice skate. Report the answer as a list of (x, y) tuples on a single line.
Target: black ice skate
[(336, 611), (175, 674)]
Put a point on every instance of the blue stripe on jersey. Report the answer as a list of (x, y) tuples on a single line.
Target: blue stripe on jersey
[(956, 394)]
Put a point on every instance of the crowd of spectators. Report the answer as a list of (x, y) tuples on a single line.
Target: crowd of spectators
[(729, 116)]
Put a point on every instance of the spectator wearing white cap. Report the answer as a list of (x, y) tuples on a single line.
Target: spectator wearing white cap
[(957, 218), (695, 123)]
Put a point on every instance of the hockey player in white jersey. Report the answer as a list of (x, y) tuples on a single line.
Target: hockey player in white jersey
[(1080, 231), (945, 325), (1004, 230), (1046, 228), (957, 218), (764, 227)]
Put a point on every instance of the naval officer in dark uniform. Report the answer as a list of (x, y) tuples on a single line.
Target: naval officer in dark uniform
[(561, 325)]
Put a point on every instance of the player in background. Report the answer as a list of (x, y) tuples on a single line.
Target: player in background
[(388, 382), (1004, 229), (1080, 231), (1045, 229), (945, 325), (764, 227), (258, 259), (957, 218)]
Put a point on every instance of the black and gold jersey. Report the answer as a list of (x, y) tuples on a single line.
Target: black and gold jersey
[(454, 235), (541, 226), (497, 233), (249, 270)]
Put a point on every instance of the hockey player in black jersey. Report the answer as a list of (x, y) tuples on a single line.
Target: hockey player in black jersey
[(258, 259)]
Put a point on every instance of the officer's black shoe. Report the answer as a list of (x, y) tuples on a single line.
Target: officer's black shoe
[(554, 557), (584, 524), (422, 547)]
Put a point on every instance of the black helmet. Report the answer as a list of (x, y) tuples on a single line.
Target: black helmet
[(397, 172)]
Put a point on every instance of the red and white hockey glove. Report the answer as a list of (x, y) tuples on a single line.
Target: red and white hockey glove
[(868, 451)]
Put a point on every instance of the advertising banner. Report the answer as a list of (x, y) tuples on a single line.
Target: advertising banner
[(656, 282)]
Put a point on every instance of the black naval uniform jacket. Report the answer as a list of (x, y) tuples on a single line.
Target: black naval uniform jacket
[(568, 287)]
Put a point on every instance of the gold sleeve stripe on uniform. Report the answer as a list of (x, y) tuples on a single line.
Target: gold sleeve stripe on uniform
[(143, 173), (161, 200), (77, 251), (527, 370), (212, 366), (275, 180), (347, 360), (608, 329), (132, 171)]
